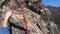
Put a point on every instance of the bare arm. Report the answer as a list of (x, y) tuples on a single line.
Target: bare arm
[(5, 22)]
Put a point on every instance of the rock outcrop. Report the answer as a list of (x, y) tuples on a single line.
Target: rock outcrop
[(39, 18)]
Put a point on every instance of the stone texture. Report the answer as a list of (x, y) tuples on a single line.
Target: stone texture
[(39, 18)]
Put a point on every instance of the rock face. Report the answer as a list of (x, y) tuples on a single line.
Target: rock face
[(39, 18), (56, 15), (1, 1)]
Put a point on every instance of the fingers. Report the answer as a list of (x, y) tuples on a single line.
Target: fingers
[(9, 13)]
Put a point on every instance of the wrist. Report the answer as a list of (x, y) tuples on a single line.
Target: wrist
[(6, 19)]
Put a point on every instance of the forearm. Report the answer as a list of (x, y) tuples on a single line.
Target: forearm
[(5, 28), (5, 22)]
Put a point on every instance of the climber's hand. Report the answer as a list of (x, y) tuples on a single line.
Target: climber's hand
[(9, 13)]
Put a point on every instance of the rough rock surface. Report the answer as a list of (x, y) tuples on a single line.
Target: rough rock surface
[(39, 18)]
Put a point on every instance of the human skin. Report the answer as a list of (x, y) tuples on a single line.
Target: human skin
[(5, 22)]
